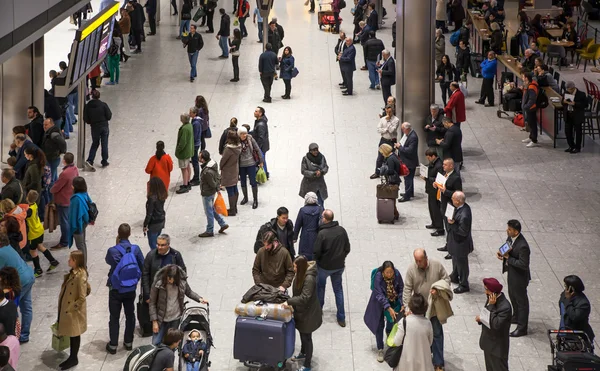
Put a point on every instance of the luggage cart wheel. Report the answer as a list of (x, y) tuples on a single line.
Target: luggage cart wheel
[(320, 27), (379, 221)]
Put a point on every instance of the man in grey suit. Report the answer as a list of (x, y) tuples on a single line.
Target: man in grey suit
[(494, 340), (408, 151), (460, 242), (348, 65), (516, 263)]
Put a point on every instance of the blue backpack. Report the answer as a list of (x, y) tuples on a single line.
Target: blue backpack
[(454, 38), (127, 273)]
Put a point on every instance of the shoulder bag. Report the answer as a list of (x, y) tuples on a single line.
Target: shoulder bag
[(392, 354)]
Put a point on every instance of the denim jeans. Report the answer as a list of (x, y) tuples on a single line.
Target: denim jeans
[(195, 163), (100, 135), (26, 309), (523, 42), (59, 123), (211, 215), (184, 26), (320, 200), (437, 348), (54, 168), (224, 46), (260, 31), (193, 57), (162, 330), (152, 237), (243, 26), (73, 100), (63, 215), (336, 282), (409, 187), (115, 302), (192, 366), (248, 172), (264, 155), (232, 191), (373, 75), (383, 324)]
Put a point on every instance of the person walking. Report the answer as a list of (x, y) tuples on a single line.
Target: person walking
[(494, 339), (184, 151), (72, 306), (154, 222), (287, 66), (62, 190), (331, 249), (250, 157), (234, 45), (307, 221), (385, 303), (160, 165), (230, 170), (243, 11), (97, 114), (79, 216), (257, 18), (308, 315), (209, 186), (415, 333), (194, 43), (223, 34), (186, 17), (266, 67), (122, 294), (314, 168)]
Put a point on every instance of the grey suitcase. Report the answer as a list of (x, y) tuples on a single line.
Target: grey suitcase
[(385, 210)]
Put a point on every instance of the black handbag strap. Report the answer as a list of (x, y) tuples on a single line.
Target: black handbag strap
[(404, 328)]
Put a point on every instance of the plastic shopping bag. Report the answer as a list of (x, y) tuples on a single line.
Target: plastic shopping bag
[(59, 343), (220, 207), (261, 176)]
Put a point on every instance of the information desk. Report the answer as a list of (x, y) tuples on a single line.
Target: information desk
[(549, 118), (480, 32)]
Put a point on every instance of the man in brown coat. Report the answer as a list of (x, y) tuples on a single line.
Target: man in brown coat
[(273, 264)]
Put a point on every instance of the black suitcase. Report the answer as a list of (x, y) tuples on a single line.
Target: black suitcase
[(514, 46), (143, 316), (514, 105), (476, 59), (263, 341)]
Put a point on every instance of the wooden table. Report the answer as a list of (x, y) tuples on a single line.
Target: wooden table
[(480, 32), (555, 32), (566, 44)]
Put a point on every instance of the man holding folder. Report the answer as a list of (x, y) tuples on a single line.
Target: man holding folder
[(446, 185)]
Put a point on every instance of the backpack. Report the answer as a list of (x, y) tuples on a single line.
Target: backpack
[(342, 4), (92, 211), (373, 274), (141, 358), (454, 38), (60, 141), (114, 49), (127, 273), (541, 101), (261, 231)]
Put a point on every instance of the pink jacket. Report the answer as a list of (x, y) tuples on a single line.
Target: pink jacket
[(63, 187)]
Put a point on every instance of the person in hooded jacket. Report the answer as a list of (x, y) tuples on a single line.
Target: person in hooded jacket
[(209, 186), (308, 220), (273, 264), (313, 168), (230, 169), (193, 351), (19, 212), (79, 216), (390, 170), (308, 315)]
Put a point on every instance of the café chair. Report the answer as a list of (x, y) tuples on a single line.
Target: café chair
[(543, 43), (585, 44), (593, 54), (592, 114), (556, 76), (551, 70), (563, 87), (556, 51)]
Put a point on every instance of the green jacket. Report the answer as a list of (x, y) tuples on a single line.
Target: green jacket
[(185, 142)]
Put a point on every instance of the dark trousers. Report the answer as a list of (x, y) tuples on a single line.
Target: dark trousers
[(343, 75), (380, 157), (115, 302), (441, 25), (458, 25), (99, 135), (174, 5), (493, 363), (288, 87), (348, 80), (306, 348), (75, 343), (236, 66), (487, 91), (517, 292), (210, 13), (267, 82), (409, 186), (460, 271), (384, 324), (445, 86), (435, 212), (152, 22), (312, 5), (386, 90), (572, 127), (137, 35), (531, 119), (196, 164), (336, 18), (243, 26)]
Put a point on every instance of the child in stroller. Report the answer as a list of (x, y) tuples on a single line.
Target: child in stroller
[(193, 350)]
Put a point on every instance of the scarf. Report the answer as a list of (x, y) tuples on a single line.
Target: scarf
[(318, 159), (391, 293)]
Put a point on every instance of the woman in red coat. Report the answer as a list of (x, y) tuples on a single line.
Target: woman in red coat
[(455, 109), (160, 165)]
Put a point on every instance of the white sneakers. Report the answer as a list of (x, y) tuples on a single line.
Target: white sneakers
[(526, 141), (531, 145)]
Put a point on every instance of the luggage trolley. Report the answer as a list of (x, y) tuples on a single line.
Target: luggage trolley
[(507, 103), (572, 351), (325, 15)]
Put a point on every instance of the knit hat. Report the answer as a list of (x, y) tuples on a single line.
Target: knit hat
[(493, 285), (313, 146), (385, 150), (242, 130), (310, 198)]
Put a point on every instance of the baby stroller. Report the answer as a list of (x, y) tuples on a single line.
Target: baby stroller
[(572, 351), (196, 318)]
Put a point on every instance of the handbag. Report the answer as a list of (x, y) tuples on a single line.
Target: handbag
[(403, 169), (219, 205), (387, 191), (392, 354), (295, 72), (199, 14), (186, 16), (207, 133)]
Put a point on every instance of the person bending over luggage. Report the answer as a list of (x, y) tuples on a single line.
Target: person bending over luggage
[(164, 357), (167, 294), (156, 259), (575, 307), (193, 351), (273, 264)]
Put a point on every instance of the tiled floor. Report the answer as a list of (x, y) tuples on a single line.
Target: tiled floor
[(554, 194)]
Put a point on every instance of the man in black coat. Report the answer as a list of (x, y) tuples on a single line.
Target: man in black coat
[(387, 73), (53, 144), (261, 134), (434, 128), (151, 10), (494, 340), (445, 193), (516, 263), (339, 48), (274, 37), (372, 49), (35, 125), (408, 151), (348, 65), (136, 13), (97, 114), (223, 34), (373, 18), (460, 242), (435, 166), (266, 67), (283, 228), (156, 259), (574, 115), (451, 145)]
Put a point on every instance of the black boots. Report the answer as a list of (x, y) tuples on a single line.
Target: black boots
[(233, 205), (245, 199), (254, 197)]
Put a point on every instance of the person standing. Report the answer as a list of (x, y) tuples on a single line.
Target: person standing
[(35, 126), (223, 34), (235, 45), (114, 58), (154, 222), (62, 190), (156, 259), (388, 129), (419, 279), (35, 236), (202, 105), (266, 67), (198, 135), (136, 12), (210, 14), (194, 44), (79, 216), (494, 340), (53, 145), (243, 11), (283, 228), (347, 64), (445, 74), (151, 10), (184, 151), (337, 50), (433, 169), (574, 111), (488, 71), (97, 114), (516, 263), (444, 195), (261, 134), (335, 6), (575, 307), (434, 128), (287, 63), (125, 25), (119, 295), (314, 168), (72, 306), (331, 249), (455, 109), (408, 150), (387, 74), (257, 18), (530, 93), (274, 37), (186, 17), (308, 315), (460, 242), (160, 165), (250, 157), (451, 144), (12, 189), (372, 49), (209, 186), (273, 264), (307, 221), (9, 342), (391, 171), (230, 170), (415, 334)]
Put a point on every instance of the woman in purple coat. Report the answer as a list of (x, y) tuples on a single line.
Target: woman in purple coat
[(308, 221), (384, 305)]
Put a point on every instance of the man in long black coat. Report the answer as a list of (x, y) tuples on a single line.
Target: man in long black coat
[(435, 213), (460, 242), (494, 340)]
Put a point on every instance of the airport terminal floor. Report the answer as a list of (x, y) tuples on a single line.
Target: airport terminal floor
[(554, 195)]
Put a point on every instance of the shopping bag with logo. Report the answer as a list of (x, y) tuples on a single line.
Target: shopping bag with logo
[(220, 207)]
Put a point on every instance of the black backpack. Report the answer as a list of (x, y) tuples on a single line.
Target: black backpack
[(541, 101), (342, 4), (259, 236), (92, 211)]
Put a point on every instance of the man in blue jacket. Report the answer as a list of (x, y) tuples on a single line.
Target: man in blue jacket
[(348, 65), (124, 297), (488, 70)]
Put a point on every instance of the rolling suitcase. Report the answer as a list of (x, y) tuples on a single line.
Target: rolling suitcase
[(143, 316), (263, 341), (385, 210), (476, 59), (514, 46)]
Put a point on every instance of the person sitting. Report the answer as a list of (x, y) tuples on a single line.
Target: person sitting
[(544, 78), (569, 34), (536, 50), (193, 350), (528, 63), (273, 264), (575, 307)]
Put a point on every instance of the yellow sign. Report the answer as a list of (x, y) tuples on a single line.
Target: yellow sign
[(100, 21)]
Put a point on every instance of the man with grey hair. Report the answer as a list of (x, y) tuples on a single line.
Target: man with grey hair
[(434, 127), (460, 242), (158, 257), (184, 151), (574, 106), (387, 74), (348, 65), (408, 148)]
